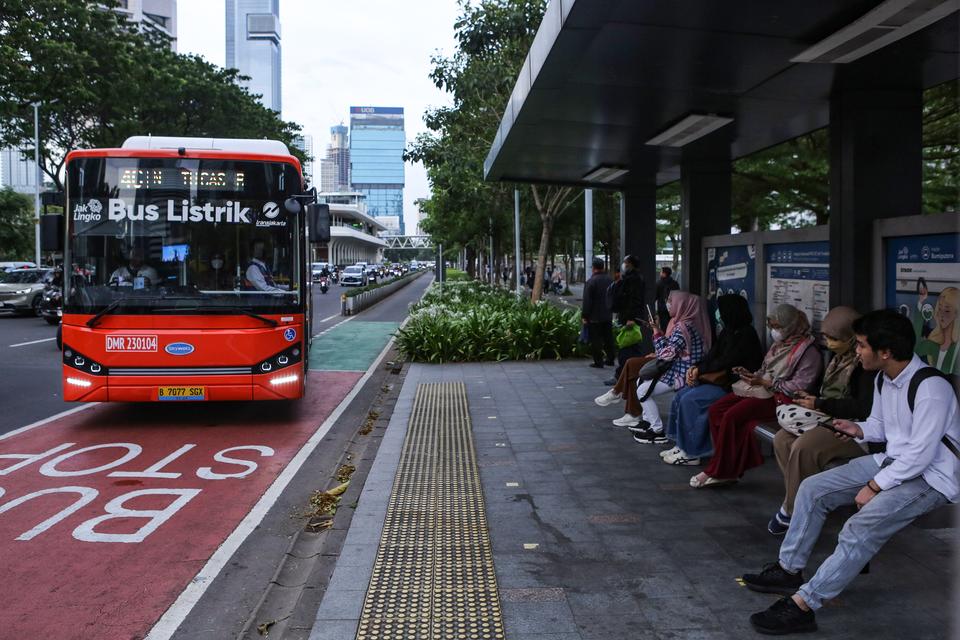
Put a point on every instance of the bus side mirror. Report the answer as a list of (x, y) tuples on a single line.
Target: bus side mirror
[(51, 232), (318, 221)]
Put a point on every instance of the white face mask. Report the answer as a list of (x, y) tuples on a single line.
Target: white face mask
[(669, 308), (777, 335), (216, 264)]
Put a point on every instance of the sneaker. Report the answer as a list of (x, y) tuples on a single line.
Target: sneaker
[(773, 579), (627, 421), (783, 617), (682, 459), (666, 453), (779, 523), (643, 425), (609, 398), (649, 436)]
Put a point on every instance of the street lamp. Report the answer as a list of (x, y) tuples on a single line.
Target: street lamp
[(36, 192)]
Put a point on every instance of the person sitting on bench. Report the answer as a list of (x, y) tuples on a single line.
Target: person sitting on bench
[(915, 411)]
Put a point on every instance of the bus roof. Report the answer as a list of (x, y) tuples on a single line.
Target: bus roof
[(238, 145)]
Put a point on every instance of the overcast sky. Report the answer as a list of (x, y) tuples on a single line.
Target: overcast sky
[(341, 53)]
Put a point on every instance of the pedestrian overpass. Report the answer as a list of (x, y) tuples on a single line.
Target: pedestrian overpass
[(408, 242)]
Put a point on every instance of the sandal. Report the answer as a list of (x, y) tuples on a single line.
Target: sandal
[(696, 483)]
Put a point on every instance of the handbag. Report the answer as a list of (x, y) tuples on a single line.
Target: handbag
[(584, 335), (653, 370), (629, 336), (797, 419), (746, 390)]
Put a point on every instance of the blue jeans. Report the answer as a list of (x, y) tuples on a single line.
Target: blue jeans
[(688, 425), (864, 532)]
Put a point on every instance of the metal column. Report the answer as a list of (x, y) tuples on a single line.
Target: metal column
[(516, 237), (587, 232)]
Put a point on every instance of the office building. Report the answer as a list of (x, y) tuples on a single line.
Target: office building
[(377, 141), (328, 176), (253, 46), (305, 144), (157, 15), (17, 172), (338, 152)]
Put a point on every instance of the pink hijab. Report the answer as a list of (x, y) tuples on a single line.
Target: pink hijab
[(688, 310)]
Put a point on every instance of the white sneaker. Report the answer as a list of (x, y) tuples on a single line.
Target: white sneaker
[(682, 459), (669, 452), (609, 398), (627, 421)]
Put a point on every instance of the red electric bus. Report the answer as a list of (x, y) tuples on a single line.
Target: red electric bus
[(186, 272)]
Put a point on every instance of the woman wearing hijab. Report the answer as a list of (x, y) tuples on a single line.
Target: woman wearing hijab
[(804, 449), (687, 338), (791, 365), (737, 346)]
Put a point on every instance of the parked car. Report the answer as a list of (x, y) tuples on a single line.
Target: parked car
[(21, 291), (15, 264), (353, 276)]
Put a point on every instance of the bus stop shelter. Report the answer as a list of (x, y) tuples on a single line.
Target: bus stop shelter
[(631, 95)]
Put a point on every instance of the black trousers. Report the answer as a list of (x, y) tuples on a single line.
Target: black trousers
[(601, 340)]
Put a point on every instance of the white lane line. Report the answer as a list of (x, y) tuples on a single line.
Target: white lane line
[(23, 344), (330, 317), (171, 620), (40, 423), (178, 611), (331, 328)]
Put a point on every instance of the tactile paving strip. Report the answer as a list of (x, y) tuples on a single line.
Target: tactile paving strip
[(433, 577)]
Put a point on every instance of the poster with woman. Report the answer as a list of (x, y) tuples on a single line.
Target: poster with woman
[(923, 283)]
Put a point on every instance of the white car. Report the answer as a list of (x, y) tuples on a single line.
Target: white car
[(353, 276), (14, 265)]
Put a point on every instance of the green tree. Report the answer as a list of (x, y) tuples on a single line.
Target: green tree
[(99, 80), (16, 225)]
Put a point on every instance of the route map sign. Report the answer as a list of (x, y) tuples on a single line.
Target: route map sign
[(798, 273)]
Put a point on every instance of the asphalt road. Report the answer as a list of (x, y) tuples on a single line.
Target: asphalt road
[(30, 369)]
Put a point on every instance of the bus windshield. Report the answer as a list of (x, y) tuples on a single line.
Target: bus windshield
[(182, 235)]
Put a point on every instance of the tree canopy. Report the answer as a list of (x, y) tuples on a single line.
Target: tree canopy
[(99, 79), (16, 225)]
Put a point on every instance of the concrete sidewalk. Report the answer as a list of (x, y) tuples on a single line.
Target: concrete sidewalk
[(594, 537)]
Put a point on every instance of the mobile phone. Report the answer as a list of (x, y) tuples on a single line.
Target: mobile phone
[(649, 313), (827, 423)]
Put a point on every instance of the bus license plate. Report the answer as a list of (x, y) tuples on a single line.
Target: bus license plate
[(182, 393)]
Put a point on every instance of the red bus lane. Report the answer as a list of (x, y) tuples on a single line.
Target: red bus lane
[(107, 514)]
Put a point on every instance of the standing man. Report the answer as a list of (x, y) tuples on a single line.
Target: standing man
[(596, 314), (629, 295), (665, 285), (915, 411)]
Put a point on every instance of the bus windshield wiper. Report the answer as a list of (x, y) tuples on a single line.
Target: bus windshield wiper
[(92, 322), (213, 310)]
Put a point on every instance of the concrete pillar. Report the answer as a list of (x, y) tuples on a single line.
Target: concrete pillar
[(876, 171), (640, 230), (587, 231), (705, 201)]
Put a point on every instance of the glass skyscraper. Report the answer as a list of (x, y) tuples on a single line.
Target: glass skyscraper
[(377, 140), (253, 46)]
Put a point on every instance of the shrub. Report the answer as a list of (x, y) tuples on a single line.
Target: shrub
[(456, 275), (355, 291), (472, 321)]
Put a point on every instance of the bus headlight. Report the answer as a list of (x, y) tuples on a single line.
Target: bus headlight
[(285, 358), (284, 379), (80, 362)]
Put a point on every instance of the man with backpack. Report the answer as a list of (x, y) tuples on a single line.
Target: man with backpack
[(915, 412)]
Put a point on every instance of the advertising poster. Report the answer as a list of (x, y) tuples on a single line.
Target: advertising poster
[(923, 283), (731, 270), (798, 273)]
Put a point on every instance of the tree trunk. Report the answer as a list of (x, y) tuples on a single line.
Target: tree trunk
[(545, 237)]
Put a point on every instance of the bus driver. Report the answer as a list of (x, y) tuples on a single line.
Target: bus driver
[(258, 276), (136, 274)]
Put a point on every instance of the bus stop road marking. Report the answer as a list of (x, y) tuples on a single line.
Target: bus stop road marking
[(23, 344), (140, 498)]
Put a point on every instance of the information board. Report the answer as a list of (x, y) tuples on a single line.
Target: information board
[(922, 278), (798, 273), (731, 270)]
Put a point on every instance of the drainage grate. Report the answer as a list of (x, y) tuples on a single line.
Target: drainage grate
[(434, 576)]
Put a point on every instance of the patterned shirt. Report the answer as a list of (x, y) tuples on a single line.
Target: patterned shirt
[(670, 348)]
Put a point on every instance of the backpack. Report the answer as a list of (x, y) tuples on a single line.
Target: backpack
[(919, 377)]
